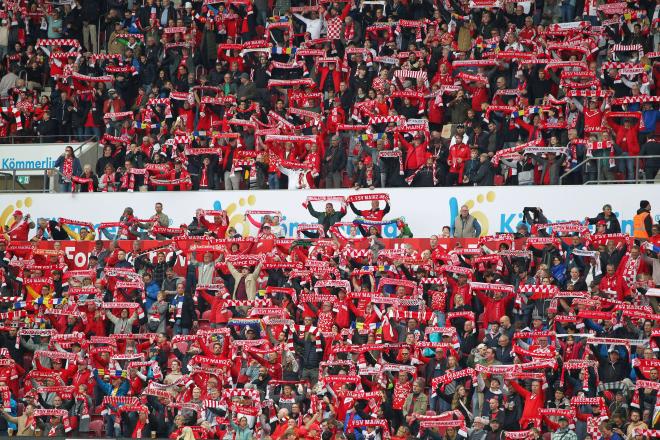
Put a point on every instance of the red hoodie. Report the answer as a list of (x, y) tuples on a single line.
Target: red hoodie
[(626, 138), (458, 151)]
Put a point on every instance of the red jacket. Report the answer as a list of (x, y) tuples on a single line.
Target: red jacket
[(20, 233), (415, 155), (458, 151), (493, 309), (220, 229), (626, 138), (464, 290), (613, 283), (479, 96), (533, 403), (218, 312)]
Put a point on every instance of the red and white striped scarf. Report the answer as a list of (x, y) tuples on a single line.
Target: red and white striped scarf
[(631, 268)]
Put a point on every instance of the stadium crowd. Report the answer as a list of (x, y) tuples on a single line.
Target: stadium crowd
[(551, 332), (370, 93)]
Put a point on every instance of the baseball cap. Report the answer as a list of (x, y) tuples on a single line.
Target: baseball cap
[(18, 212)]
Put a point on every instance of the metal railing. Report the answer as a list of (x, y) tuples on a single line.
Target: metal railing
[(46, 139), (9, 180), (596, 162), (94, 153)]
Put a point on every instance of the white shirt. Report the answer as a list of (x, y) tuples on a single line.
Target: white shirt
[(297, 178), (466, 138), (313, 26)]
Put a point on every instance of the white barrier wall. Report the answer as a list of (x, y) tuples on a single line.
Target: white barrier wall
[(42, 156), (498, 209)]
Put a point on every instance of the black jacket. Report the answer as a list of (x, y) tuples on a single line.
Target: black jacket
[(310, 358), (90, 11), (613, 226), (335, 159), (485, 174), (47, 128), (56, 231), (362, 178), (612, 372), (188, 314)]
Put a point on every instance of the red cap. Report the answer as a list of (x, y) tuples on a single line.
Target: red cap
[(601, 222), (367, 160), (18, 212)]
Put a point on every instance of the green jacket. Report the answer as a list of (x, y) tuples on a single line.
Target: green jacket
[(326, 220), (241, 433), (405, 232), (420, 406)]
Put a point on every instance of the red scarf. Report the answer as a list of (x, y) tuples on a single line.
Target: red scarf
[(370, 175), (204, 180), (128, 181), (82, 180), (67, 167), (137, 432), (349, 31), (85, 407), (631, 268), (109, 181)]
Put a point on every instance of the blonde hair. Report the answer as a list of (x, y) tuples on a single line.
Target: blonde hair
[(186, 434)]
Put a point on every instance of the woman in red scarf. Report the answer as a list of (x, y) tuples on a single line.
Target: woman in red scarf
[(109, 179), (68, 165)]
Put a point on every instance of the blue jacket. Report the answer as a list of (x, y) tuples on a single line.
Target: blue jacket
[(357, 431), (76, 168), (107, 388), (152, 290)]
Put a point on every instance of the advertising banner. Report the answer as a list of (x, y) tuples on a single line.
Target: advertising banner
[(77, 253), (42, 156), (426, 210)]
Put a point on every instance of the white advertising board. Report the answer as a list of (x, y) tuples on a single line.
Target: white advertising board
[(41, 156), (498, 209)]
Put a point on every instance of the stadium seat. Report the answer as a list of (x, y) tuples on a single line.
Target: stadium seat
[(97, 428)]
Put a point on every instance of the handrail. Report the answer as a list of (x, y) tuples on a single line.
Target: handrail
[(579, 166), (37, 139), (5, 174), (78, 151), (624, 181), (47, 174)]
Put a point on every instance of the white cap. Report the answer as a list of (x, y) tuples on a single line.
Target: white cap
[(188, 5)]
